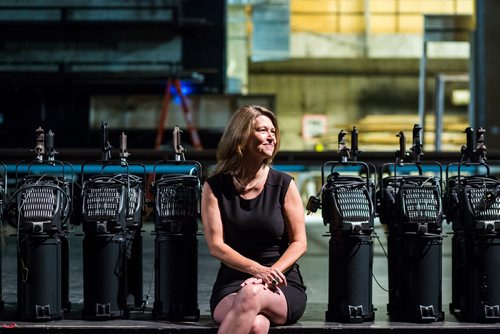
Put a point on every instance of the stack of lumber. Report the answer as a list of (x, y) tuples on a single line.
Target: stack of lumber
[(378, 133)]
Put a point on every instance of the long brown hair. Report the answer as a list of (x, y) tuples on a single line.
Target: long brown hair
[(236, 137)]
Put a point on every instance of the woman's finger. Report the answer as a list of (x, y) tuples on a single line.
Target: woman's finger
[(280, 277), (251, 280)]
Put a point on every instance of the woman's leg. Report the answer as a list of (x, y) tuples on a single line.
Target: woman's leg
[(260, 325), (237, 313), (223, 307)]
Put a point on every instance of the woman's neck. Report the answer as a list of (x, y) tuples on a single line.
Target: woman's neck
[(250, 171), (250, 177)]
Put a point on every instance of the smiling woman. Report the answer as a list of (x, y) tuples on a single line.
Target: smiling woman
[(253, 220)]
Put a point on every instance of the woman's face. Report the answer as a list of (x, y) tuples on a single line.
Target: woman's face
[(263, 138)]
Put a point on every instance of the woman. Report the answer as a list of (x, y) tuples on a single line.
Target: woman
[(253, 220)]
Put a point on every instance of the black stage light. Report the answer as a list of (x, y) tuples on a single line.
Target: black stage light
[(176, 214), (348, 208), (112, 207), (473, 208), (40, 209), (112, 214), (411, 207)]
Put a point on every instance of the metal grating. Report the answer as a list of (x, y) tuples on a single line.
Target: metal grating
[(354, 206), (38, 204), (421, 205), (103, 203), (484, 204), (177, 202)]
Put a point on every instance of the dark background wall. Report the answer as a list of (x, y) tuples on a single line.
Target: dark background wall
[(54, 56)]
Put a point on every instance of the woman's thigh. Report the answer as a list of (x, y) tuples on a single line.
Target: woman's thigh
[(223, 307)]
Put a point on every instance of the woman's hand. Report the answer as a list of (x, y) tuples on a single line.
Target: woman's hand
[(278, 279), (270, 277)]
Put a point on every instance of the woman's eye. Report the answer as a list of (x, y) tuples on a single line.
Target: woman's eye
[(264, 130)]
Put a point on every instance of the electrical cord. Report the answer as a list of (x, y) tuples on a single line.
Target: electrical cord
[(375, 235)]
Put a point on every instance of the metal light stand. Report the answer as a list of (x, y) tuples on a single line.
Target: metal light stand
[(347, 203), (112, 206), (473, 209), (39, 210), (411, 207), (176, 210)]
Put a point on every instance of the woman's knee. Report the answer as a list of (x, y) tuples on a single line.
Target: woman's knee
[(260, 325), (248, 298)]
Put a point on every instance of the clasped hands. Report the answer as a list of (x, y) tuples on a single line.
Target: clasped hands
[(270, 277)]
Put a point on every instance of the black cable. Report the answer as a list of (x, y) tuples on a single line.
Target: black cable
[(376, 281), (385, 253), (148, 295)]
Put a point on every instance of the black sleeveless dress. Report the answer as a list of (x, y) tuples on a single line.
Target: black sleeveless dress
[(256, 229)]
